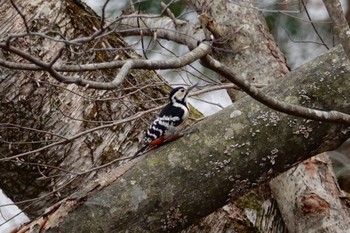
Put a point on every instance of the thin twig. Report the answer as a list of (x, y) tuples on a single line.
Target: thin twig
[(313, 26), (103, 15), (22, 16), (300, 41), (72, 138), (166, 7), (7, 125)]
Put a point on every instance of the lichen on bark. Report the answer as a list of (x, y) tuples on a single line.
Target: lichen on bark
[(194, 176)]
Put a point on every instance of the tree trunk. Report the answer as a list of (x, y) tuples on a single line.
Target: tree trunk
[(250, 51), (254, 55), (246, 45), (33, 101), (312, 203), (236, 149)]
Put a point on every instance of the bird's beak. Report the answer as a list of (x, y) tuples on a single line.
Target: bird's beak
[(191, 87)]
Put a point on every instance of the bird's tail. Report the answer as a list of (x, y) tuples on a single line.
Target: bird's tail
[(139, 152)]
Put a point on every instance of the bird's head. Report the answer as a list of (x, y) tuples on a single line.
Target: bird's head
[(179, 94)]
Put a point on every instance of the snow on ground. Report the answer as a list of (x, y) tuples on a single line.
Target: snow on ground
[(7, 212)]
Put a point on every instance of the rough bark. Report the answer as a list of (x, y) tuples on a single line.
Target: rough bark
[(247, 47), (257, 44), (312, 202), (244, 41), (236, 149), (34, 100), (92, 144), (255, 211)]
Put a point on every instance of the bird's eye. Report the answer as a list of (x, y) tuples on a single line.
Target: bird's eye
[(182, 90)]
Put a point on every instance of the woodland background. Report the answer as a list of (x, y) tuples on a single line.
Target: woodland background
[(62, 144)]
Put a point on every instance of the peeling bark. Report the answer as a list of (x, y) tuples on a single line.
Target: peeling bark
[(311, 203)]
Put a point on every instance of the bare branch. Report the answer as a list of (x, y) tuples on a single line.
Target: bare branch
[(197, 53), (340, 24), (166, 8), (55, 58), (301, 41), (8, 125), (313, 25), (81, 134), (180, 31), (221, 87), (22, 15), (103, 16), (294, 110)]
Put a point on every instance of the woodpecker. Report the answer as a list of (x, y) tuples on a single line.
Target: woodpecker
[(170, 121)]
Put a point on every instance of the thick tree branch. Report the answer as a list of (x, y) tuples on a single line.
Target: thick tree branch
[(162, 27), (179, 31), (211, 63), (220, 68), (200, 51), (234, 150), (272, 102)]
